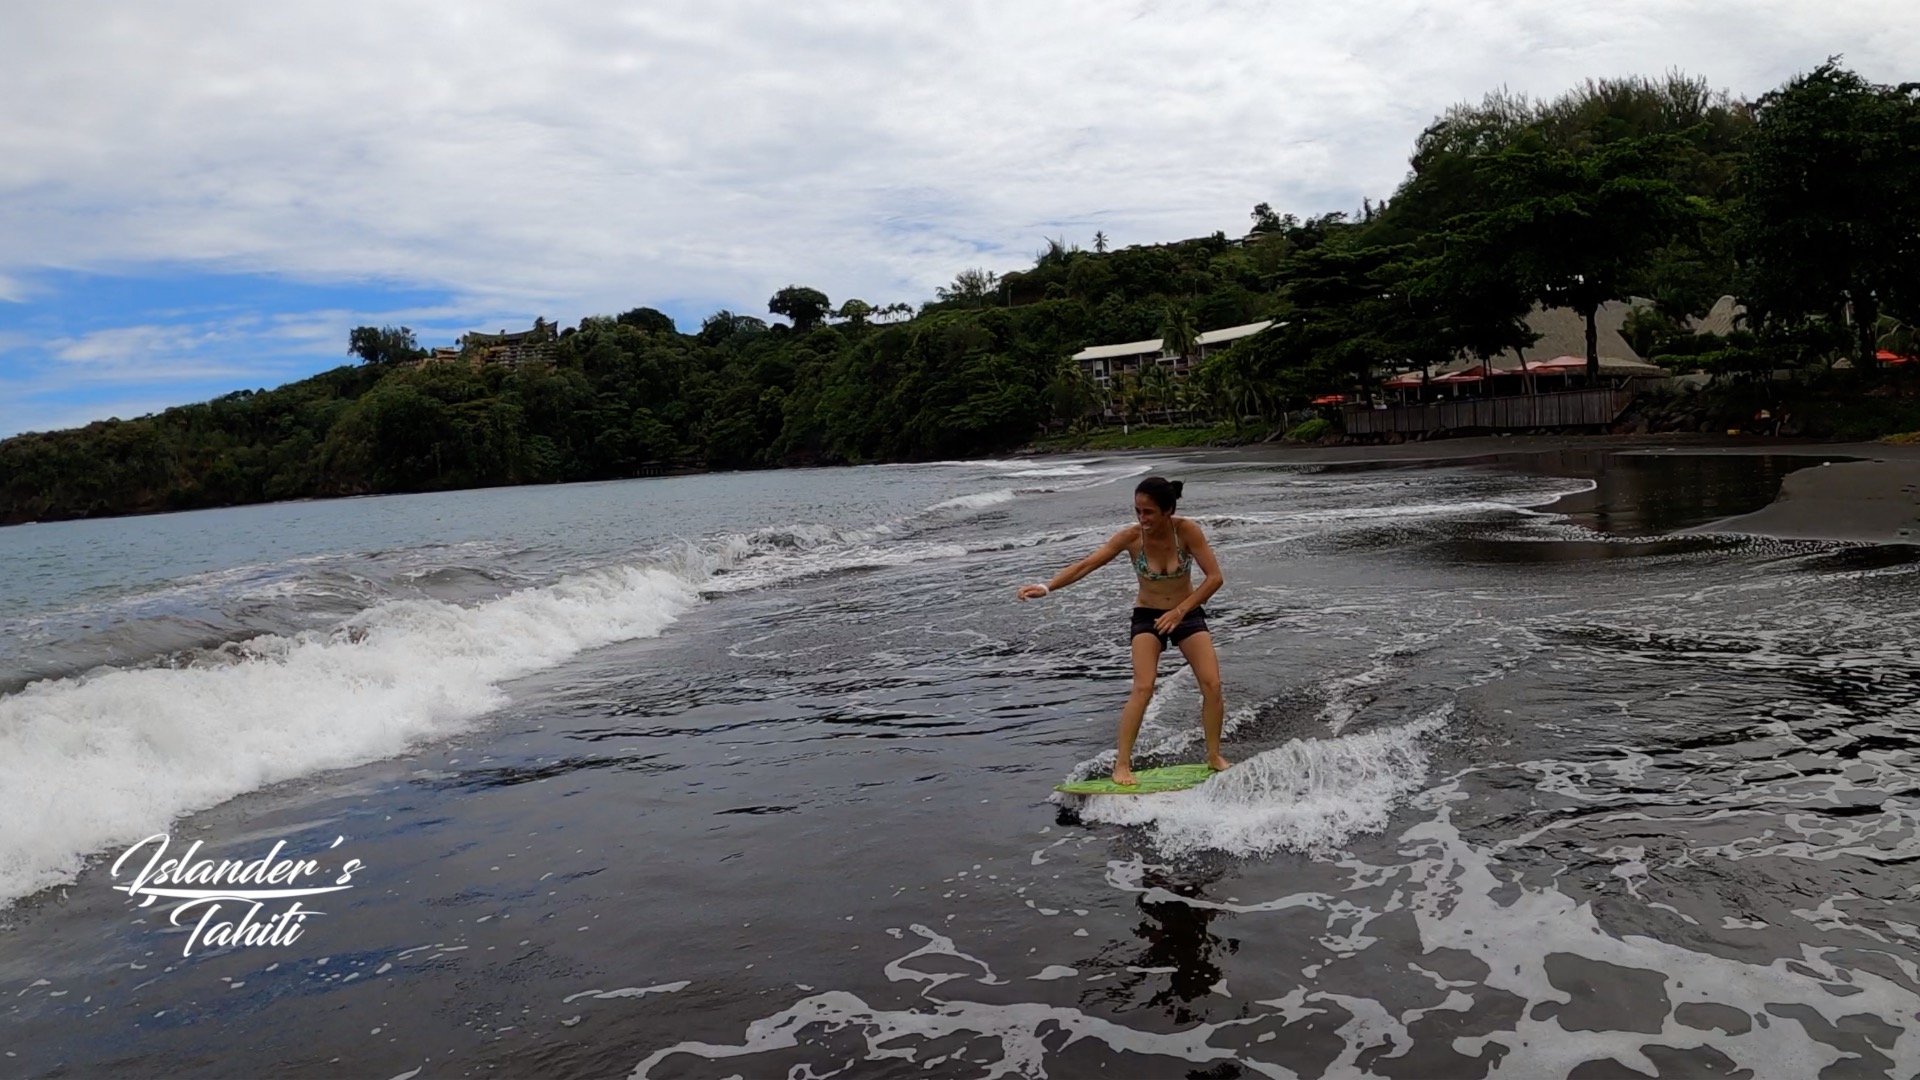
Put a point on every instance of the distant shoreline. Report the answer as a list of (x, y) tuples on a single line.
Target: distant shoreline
[(1868, 494), (1850, 505)]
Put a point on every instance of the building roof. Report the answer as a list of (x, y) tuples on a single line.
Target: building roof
[(1608, 366), (1720, 319), (1151, 346), (1156, 346), (1559, 365), (1564, 333), (1232, 333)]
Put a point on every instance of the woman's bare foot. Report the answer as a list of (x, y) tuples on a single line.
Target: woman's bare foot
[(1217, 763), (1123, 775)]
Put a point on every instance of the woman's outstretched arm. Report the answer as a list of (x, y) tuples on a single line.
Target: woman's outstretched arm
[(1115, 544)]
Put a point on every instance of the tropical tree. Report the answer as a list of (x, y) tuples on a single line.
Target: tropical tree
[(1071, 394), (1178, 334), (971, 287), (1829, 219), (805, 307), (724, 327), (1156, 388), (1100, 243), (1476, 306), (383, 345), (1128, 397), (1233, 380), (1575, 229), (856, 312), (647, 319)]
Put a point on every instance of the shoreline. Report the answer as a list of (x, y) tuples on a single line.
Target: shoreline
[(1858, 493), (1869, 502), (1851, 505)]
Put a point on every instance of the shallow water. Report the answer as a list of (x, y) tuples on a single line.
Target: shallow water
[(750, 775)]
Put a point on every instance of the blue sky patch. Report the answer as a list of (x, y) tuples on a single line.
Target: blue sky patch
[(78, 347)]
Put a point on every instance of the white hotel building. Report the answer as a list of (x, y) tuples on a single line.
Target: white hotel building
[(1103, 362)]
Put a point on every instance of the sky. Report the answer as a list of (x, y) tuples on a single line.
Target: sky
[(198, 197)]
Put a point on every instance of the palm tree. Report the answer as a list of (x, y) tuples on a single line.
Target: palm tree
[(1235, 389), (1178, 333), (1100, 243), (1127, 394), (1156, 384), (1109, 400), (969, 285), (1188, 395), (1072, 394), (1240, 400)]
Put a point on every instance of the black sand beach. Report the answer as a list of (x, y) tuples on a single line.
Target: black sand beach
[(1548, 764), (1866, 492)]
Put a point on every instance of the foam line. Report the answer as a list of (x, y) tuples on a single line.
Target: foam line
[(1308, 795), (97, 762)]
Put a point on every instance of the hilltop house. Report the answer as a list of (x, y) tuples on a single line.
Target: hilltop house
[(515, 350)]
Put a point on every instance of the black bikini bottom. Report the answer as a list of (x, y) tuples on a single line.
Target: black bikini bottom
[(1144, 617)]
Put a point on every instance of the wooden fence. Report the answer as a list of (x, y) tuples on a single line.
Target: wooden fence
[(1576, 408)]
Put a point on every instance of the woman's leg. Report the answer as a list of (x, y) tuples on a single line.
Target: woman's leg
[(1198, 649), (1146, 663)]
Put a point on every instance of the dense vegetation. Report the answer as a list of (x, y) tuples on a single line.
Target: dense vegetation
[(1802, 203)]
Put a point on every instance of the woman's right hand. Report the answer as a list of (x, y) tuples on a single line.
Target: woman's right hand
[(1032, 592)]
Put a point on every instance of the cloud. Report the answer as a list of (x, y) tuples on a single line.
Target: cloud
[(178, 356), (189, 350), (589, 156), (123, 346), (563, 160)]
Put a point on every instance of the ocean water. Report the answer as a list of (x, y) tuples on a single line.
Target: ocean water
[(750, 775)]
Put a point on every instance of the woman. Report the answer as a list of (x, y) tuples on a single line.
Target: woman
[(1163, 549)]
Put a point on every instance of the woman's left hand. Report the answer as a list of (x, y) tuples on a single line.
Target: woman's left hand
[(1168, 622)]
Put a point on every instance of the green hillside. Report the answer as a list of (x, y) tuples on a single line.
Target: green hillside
[(1803, 204)]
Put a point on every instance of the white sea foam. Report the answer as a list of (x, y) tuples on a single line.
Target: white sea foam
[(1524, 939), (1308, 795), (94, 762), (149, 745), (977, 501), (909, 1035), (1062, 470)]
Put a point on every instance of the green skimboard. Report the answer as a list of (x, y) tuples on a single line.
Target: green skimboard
[(1151, 781)]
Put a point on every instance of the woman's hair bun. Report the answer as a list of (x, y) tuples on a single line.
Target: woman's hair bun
[(1164, 493)]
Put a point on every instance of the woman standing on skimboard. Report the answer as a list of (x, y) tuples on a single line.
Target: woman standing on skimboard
[(1164, 550)]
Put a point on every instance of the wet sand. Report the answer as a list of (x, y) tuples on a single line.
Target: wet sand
[(1860, 492), (1869, 501), (1497, 445)]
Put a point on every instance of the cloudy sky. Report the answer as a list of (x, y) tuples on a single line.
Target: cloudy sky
[(200, 196)]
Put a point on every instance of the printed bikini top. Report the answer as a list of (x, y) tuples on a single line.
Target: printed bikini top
[(1179, 570)]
